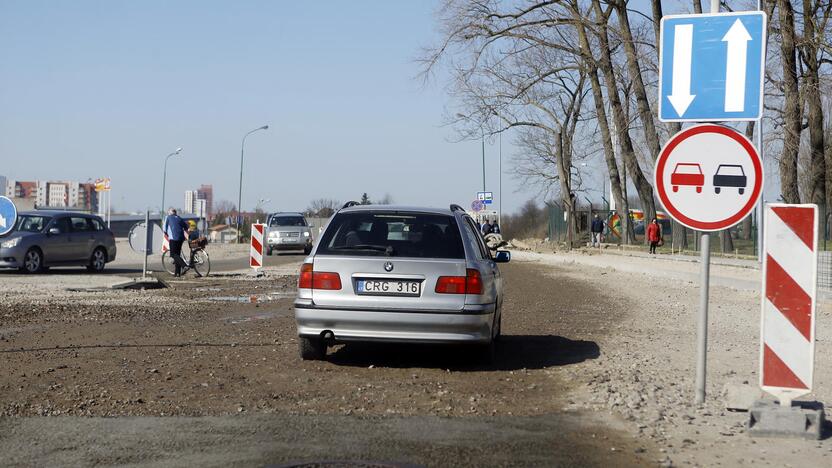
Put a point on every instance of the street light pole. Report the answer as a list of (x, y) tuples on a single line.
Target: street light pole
[(165, 179), (240, 196), (483, 162)]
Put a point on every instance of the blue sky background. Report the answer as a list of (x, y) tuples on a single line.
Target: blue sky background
[(91, 89), (108, 88)]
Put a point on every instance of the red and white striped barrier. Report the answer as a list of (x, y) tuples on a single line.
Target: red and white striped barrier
[(256, 251), (787, 344)]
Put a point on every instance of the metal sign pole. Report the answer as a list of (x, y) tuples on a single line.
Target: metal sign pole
[(147, 243), (704, 286), (702, 325)]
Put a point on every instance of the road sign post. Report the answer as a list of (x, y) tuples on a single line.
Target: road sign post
[(708, 178)]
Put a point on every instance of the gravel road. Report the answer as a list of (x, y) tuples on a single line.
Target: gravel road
[(595, 369)]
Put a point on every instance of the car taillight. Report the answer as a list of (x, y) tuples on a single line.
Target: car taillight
[(305, 279), (471, 283), (326, 280), (311, 279), (450, 285)]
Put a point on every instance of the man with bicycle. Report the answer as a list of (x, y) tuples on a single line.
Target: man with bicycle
[(177, 231)]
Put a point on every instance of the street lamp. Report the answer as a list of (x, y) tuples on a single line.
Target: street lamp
[(164, 179), (240, 197)]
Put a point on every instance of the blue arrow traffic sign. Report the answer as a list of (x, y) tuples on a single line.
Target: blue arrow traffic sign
[(8, 216), (711, 67)]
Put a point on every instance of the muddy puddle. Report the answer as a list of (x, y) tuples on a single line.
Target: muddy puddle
[(251, 298)]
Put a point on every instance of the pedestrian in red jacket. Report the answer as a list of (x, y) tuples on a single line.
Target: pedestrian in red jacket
[(654, 235)]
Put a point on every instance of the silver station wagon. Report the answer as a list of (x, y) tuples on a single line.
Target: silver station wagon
[(400, 274)]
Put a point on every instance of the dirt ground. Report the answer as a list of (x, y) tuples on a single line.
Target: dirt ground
[(595, 369)]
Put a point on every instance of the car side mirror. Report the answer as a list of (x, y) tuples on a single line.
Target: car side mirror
[(54, 231), (502, 256)]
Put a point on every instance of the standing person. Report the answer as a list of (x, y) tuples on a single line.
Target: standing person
[(495, 228), (177, 231), (486, 227), (597, 229), (654, 235)]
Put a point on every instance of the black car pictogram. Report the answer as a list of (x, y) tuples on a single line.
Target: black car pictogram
[(730, 175)]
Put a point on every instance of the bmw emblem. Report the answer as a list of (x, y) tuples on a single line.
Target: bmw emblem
[(388, 266)]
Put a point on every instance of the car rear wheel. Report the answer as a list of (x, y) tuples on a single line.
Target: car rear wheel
[(312, 349), (717, 189), (742, 190), (97, 261), (33, 261)]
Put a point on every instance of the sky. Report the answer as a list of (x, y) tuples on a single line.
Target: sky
[(93, 89), (108, 88)]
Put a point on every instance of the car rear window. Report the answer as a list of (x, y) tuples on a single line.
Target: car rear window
[(419, 235), (288, 221)]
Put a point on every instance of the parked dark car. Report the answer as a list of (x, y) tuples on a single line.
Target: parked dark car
[(42, 239)]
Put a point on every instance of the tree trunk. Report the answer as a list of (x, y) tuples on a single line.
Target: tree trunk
[(811, 88), (726, 242), (621, 204), (791, 112), (643, 186), (697, 6), (746, 225), (645, 114)]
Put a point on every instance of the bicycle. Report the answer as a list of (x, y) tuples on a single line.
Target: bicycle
[(199, 260)]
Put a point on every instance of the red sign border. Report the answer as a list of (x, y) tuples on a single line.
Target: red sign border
[(677, 139)]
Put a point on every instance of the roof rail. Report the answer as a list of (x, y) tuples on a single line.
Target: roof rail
[(349, 204), (455, 207)]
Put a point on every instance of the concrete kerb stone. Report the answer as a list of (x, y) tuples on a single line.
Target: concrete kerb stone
[(141, 283), (803, 420), (740, 396)]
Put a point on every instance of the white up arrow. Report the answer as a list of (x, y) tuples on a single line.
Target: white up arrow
[(682, 50), (737, 38), (2, 222)]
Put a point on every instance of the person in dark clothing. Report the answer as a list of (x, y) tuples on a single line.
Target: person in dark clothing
[(597, 229), (654, 235), (177, 231), (495, 228), (486, 227)]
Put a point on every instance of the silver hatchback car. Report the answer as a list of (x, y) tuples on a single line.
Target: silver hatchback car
[(399, 274)]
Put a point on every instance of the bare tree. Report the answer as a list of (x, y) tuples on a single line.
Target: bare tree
[(322, 207)]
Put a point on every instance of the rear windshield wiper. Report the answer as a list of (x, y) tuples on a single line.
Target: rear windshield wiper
[(387, 249)]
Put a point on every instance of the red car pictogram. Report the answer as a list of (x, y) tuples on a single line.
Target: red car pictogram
[(687, 174)]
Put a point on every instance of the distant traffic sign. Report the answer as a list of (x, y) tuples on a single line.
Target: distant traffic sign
[(711, 67), (486, 198), (477, 205), (8, 215), (708, 177)]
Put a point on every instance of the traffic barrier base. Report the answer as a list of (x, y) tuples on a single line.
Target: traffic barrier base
[(802, 420)]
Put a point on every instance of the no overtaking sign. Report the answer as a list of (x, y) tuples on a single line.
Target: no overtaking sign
[(708, 177)]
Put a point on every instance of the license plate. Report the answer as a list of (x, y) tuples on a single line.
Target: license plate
[(388, 287)]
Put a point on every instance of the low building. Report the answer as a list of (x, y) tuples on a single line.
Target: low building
[(222, 233)]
